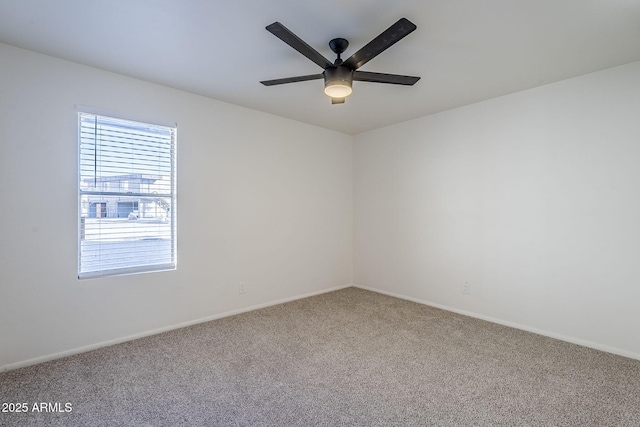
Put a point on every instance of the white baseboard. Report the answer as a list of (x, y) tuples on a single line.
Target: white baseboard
[(585, 343), (49, 357), (572, 340)]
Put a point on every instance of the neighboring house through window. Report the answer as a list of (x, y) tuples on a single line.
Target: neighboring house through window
[(127, 197)]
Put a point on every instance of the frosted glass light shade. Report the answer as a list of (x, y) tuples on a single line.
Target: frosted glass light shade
[(337, 90), (337, 82)]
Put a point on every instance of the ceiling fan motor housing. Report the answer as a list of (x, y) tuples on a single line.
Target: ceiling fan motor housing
[(338, 81)]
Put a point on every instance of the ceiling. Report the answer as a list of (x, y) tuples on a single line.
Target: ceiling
[(464, 51)]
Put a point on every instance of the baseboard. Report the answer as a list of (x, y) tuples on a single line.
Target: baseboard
[(60, 355), (54, 356), (572, 340)]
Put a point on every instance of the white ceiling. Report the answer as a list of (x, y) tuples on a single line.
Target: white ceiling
[(464, 50)]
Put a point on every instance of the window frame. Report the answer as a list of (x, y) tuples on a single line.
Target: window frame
[(115, 190)]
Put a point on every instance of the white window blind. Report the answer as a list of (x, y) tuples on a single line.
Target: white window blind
[(127, 197)]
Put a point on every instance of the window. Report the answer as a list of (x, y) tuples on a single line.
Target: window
[(126, 197)]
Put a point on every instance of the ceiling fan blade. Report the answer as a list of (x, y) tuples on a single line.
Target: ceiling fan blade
[(284, 34), (394, 79), (388, 38), (292, 79), (337, 100)]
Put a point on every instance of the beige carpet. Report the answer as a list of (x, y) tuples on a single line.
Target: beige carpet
[(346, 358)]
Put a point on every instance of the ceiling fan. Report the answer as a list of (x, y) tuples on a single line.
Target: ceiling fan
[(339, 75)]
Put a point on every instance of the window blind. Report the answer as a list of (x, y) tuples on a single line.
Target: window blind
[(126, 197)]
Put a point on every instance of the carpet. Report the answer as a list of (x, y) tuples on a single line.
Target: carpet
[(346, 358)]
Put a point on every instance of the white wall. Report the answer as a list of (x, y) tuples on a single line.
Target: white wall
[(533, 198), (261, 199)]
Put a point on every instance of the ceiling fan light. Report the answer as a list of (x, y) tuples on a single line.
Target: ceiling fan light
[(337, 82), (337, 89)]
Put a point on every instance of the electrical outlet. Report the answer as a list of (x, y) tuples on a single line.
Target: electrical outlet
[(466, 288), (242, 287)]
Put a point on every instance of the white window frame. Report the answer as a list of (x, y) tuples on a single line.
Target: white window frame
[(113, 243)]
